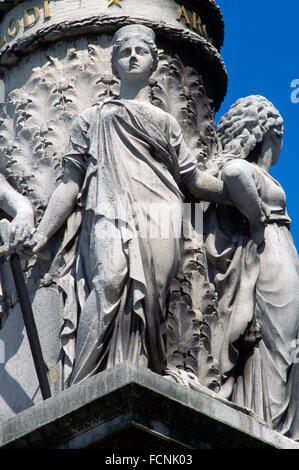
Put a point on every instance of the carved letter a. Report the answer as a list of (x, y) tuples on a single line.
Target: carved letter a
[(183, 13)]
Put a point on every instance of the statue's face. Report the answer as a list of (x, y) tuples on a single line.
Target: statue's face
[(134, 60), (275, 142)]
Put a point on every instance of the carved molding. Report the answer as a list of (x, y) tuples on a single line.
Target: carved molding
[(217, 18), (208, 5)]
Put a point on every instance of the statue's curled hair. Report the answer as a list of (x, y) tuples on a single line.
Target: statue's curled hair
[(246, 124)]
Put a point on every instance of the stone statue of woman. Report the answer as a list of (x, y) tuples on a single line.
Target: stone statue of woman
[(254, 266), (121, 194)]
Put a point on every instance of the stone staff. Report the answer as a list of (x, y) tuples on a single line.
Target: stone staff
[(24, 300)]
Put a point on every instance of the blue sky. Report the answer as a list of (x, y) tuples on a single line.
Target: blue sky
[(261, 54)]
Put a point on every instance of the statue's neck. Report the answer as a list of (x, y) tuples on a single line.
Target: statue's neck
[(134, 91), (265, 160)]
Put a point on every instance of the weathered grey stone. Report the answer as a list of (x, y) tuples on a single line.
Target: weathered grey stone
[(129, 243), (19, 385), (55, 63), (255, 268), (208, 9), (45, 89), (128, 399)]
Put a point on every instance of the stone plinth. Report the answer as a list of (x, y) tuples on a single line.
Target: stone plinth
[(130, 408)]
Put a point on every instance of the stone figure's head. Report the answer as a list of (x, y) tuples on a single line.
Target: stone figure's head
[(134, 54), (248, 124)]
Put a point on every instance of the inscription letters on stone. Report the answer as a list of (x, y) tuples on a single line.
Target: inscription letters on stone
[(193, 20), (31, 17)]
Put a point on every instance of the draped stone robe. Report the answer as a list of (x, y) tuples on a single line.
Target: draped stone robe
[(127, 226), (258, 293)]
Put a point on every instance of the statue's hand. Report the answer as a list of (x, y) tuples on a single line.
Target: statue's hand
[(257, 235), (21, 229), (257, 231), (39, 241), (14, 234), (257, 227), (35, 245)]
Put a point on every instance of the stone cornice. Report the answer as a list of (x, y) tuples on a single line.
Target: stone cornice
[(6, 5), (209, 7), (217, 19)]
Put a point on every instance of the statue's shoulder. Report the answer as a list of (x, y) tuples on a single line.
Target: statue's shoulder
[(164, 117), (89, 115), (160, 112)]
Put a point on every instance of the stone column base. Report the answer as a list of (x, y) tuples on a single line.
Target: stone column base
[(132, 408)]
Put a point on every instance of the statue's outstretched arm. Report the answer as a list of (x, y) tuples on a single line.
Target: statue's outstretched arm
[(60, 206), (238, 178), (207, 188)]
